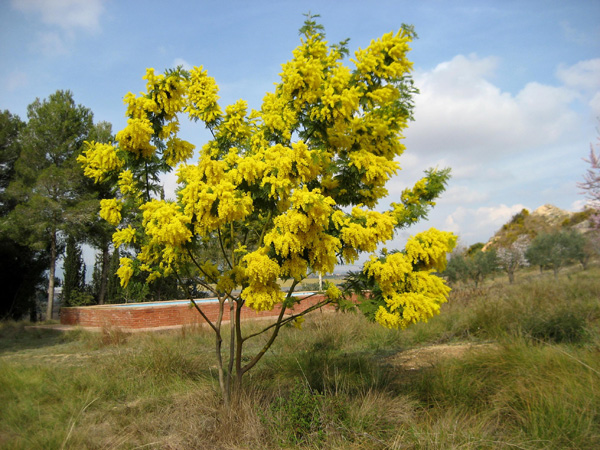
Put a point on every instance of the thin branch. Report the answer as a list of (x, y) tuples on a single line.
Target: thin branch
[(223, 248), (189, 294), (262, 233), (266, 347), (232, 325), (290, 318), (203, 272), (277, 327)]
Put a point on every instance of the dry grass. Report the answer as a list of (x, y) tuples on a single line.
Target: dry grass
[(502, 367)]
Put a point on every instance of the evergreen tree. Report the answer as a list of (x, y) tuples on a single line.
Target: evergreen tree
[(74, 273), (48, 184), (21, 268), (114, 291)]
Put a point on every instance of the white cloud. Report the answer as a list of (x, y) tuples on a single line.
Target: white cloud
[(595, 105), (462, 195), (461, 112), (69, 15), (475, 224), (584, 75), (63, 18), (579, 205)]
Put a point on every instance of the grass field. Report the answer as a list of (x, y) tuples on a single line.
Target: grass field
[(503, 366)]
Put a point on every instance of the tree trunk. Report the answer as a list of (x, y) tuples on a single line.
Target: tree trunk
[(511, 277), (50, 306), (104, 274)]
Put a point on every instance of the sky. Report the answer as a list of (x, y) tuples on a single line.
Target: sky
[(509, 90)]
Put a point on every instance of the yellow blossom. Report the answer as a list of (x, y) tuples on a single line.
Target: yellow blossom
[(177, 151), (298, 321), (125, 271), (124, 236), (135, 138), (126, 183), (333, 292), (202, 96), (98, 160), (110, 210)]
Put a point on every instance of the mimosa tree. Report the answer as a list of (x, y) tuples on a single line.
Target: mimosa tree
[(279, 193)]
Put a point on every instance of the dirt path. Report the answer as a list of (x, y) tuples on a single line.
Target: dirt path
[(419, 358)]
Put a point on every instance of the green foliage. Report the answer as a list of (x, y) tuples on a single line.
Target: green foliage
[(74, 275), (48, 186), (298, 416), (474, 265), (473, 249), (560, 326), (21, 268), (517, 221), (22, 278), (114, 291), (557, 249), (10, 148)]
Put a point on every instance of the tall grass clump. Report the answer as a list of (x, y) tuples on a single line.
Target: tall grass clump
[(566, 309), (546, 395)]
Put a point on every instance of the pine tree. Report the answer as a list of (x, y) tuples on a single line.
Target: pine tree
[(21, 268), (48, 184), (74, 273)]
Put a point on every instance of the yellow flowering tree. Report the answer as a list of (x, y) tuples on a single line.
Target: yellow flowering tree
[(278, 193)]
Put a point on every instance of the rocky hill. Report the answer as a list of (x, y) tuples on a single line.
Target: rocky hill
[(544, 219)]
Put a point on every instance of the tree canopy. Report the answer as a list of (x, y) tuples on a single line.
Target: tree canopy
[(48, 184), (280, 192)]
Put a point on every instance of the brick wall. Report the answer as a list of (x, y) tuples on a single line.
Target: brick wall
[(164, 315)]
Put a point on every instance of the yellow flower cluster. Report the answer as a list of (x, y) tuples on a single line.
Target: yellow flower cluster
[(376, 170), (136, 136), (430, 248), (365, 230), (167, 92), (177, 151), (385, 57), (202, 96), (211, 197), (284, 168), (165, 224), (412, 292), (234, 126), (125, 271), (303, 230), (124, 236), (333, 292), (278, 116), (138, 107), (262, 292), (126, 183), (110, 210), (302, 76), (98, 160), (272, 186)]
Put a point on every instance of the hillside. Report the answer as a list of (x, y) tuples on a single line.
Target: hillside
[(544, 219)]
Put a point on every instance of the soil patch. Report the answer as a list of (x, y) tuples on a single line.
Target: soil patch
[(420, 358)]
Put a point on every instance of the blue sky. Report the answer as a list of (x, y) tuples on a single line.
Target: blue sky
[(510, 90)]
